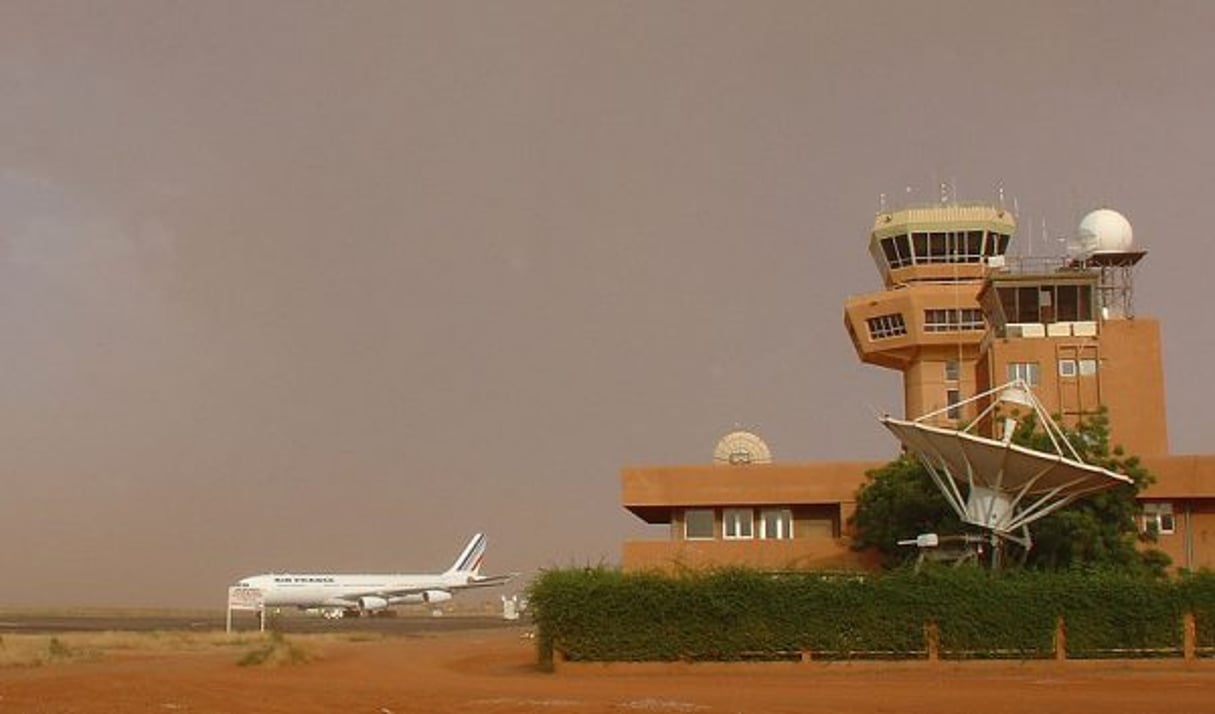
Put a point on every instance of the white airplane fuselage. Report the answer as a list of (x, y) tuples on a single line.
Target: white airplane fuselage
[(361, 591), (366, 593)]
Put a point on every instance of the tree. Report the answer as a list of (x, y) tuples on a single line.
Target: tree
[(899, 500), (1098, 531)]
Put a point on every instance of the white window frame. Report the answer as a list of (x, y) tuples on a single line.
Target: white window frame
[(738, 523), (953, 370), (884, 327), (951, 320), (1028, 371), (1160, 515), (687, 535), (1088, 367), (1068, 368), (783, 523)]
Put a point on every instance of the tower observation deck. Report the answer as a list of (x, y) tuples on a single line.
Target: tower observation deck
[(927, 322)]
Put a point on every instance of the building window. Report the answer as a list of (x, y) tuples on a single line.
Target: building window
[(885, 326), (1047, 303), (738, 523), (953, 320), (947, 247), (998, 242), (1088, 367), (1026, 371), (952, 370), (1158, 518), (896, 250), (1067, 368), (1075, 303), (698, 524), (776, 523), (952, 397), (970, 247)]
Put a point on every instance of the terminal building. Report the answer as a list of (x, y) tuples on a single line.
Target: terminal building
[(956, 315)]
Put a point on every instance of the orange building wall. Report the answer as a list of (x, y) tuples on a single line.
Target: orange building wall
[(1132, 384), (1188, 483), (821, 496), (1129, 379), (925, 387), (1192, 544), (919, 354)]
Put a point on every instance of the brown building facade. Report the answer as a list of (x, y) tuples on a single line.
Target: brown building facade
[(956, 316)]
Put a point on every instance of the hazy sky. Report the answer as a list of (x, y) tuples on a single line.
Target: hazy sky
[(331, 285)]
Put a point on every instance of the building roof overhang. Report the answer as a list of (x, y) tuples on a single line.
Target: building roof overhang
[(650, 492)]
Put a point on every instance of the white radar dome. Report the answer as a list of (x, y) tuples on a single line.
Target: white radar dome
[(1104, 231)]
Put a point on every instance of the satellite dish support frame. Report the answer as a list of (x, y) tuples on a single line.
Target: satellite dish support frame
[(986, 505)]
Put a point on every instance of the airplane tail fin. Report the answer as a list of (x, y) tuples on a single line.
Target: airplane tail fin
[(471, 557)]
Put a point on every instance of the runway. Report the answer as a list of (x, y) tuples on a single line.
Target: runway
[(404, 626)]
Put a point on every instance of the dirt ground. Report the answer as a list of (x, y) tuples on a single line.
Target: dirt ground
[(494, 671)]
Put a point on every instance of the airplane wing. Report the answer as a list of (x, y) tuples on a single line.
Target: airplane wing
[(476, 581), (486, 581)]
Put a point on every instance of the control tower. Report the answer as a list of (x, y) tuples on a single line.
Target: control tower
[(958, 316), (927, 322)]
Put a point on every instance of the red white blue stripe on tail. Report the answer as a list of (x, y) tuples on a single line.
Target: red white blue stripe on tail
[(470, 559)]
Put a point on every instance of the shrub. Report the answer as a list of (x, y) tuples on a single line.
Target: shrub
[(600, 614)]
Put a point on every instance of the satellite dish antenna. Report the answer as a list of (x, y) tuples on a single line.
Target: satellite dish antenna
[(994, 484), (739, 448)]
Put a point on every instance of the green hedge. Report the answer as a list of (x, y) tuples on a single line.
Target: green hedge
[(1197, 595), (605, 615)]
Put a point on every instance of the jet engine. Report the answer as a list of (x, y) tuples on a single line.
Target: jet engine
[(369, 603), (433, 596)]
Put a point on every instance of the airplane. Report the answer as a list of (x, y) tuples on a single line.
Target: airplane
[(338, 596)]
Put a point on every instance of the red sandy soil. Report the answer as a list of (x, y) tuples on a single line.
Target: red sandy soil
[(494, 671)]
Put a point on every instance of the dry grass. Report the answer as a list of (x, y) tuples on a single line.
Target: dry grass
[(269, 648), (277, 650), (118, 612)]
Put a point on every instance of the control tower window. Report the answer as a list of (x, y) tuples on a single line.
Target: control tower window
[(943, 247), (1074, 303), (938, 247), (937, 320), (1047, 303), (897, 251), (997, 244), (885, 326), (1020, 304), (971, 247), (919, 246)]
